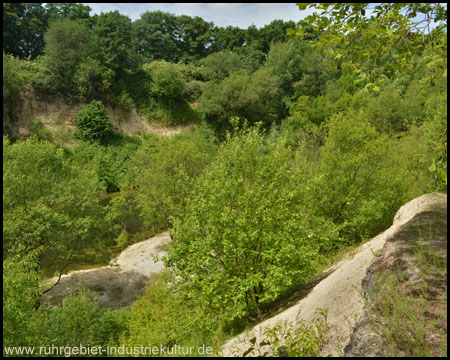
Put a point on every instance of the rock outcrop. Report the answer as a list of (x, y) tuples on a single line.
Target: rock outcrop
[(420, 222), (117, 284)]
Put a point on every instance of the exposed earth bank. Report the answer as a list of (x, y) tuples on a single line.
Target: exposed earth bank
[(58, 116)]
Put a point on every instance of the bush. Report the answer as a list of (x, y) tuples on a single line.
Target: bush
[(162, 171), (78, 320), (163, 317), (168, 84), (93, 123), (92, 79), (38, 129), (355, 186)]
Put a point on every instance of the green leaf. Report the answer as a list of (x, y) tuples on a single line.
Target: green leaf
[(246, 352)]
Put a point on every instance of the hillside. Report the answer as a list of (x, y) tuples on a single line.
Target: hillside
[(342, 289), (263, 164)]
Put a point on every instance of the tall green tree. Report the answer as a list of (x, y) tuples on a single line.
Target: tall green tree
[(155, 36), (194, 37), (229, 38), (275, 32), (113, 41), (24, 26), (241, 239), (67, 44), (70, 11), (48, 203)]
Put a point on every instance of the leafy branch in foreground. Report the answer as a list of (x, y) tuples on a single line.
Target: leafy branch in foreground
[(382, 38), (292, 339)]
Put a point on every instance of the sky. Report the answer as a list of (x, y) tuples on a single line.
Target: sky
[(222, 14)]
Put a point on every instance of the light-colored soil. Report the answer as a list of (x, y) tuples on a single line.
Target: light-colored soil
[(117, 284), (138, 257), (58, 116)]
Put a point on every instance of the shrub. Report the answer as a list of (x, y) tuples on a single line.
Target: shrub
[(78, 320), (93, 123), (162, 171), (122, 239), (38, 129), (168, 84), (292, 339), (163, 317)]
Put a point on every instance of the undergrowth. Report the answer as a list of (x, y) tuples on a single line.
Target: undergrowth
[(411, 316)]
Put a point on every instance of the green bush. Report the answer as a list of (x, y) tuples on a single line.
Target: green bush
[(292, 339), (168, 84), (162, 316), (163, 169), (356, 186), (37, 128), (21, 292), (93, 123), (92, 79), (78, 320)]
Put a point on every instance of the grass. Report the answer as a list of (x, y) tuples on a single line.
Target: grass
[(411, 315)]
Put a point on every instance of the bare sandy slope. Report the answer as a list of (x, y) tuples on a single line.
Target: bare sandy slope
[(119, 283), (340, 293), (139, 257)]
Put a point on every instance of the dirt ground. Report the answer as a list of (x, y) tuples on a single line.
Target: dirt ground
[(117, 284)]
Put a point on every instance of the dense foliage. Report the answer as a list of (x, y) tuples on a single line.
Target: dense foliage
[(243, 238), (307, 138), (93, 123)]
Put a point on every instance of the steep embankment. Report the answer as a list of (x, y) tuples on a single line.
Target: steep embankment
[(58, 116), (117, 284), (406, 287), (341, 291)]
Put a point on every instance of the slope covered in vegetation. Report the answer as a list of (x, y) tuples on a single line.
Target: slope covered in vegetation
[(310, 136)]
